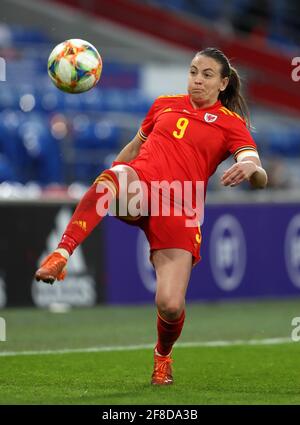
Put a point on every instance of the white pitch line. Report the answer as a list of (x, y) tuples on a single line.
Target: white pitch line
[(267, 341)]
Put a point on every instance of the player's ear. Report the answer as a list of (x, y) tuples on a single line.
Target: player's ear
[(224, 83)]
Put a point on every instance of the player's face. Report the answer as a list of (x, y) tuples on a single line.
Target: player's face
[(205, 81)]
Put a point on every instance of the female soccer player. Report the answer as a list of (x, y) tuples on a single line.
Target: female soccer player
[(183, 138)]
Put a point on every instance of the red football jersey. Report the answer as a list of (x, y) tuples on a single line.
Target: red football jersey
[(187, 144)]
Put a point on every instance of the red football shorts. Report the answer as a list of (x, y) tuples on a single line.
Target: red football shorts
[(165, 232), (171, 232)]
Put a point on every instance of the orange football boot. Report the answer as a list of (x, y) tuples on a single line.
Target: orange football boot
[(52, 268), (162, 373)]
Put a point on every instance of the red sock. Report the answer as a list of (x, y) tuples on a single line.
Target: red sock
[(168, 332), (90, 210)]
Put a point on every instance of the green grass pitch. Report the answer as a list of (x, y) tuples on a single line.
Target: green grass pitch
[(234, 374)]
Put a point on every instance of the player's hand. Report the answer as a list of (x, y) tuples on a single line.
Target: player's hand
[(238, 172)]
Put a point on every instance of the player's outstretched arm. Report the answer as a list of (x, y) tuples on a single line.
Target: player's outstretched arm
[(130, 151), (249, 168)]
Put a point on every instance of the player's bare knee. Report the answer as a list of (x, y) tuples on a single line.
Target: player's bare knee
[(129, 184), (170, 309), (124, 173)]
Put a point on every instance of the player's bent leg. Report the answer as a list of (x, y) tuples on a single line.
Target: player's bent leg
[(89, 212), (173, 269), (130, 187)]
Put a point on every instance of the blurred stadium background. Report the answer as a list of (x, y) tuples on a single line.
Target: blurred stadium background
[(53, 145)]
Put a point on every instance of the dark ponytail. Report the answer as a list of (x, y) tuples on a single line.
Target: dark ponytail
[(231, 97)]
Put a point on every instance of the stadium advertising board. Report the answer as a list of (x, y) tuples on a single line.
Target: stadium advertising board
[(247, 251), (26, 239)]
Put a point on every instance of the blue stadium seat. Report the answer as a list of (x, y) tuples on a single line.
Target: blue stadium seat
[(42, 160), (7, 172), (92, 139), (8, 97), (50, 101), (113, 100), (284, 141), (172, 4), (107, 135), (137, 102), (27, 35), (11, 145), (71, 102), (101, 134), (93, 100)]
